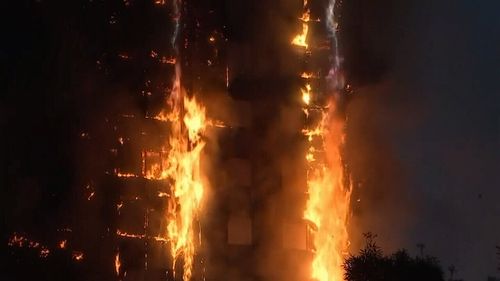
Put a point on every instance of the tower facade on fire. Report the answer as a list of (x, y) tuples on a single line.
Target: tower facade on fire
[(210, 159)]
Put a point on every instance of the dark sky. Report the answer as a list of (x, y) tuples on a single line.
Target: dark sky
[(423, 131)]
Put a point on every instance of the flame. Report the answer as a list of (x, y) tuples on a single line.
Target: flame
[(62, 244), (182, 168), (44, 252), (327, 207), (328, 203), (306, 94), (307, 75), (117, 264), (168, 60), (301, 39), (119, 174), (77, 256), (20, 241), (129, 235), (306, 16)]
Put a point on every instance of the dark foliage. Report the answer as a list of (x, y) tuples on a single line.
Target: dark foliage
[(371, 265)]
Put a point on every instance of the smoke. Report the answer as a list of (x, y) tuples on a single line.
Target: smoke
[(421, 124), (379, 113), (381, 201)]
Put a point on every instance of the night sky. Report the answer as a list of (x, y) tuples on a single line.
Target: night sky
[(422, 136), (425, 133)]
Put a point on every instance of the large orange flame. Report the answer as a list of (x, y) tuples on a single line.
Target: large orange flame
[(327, 207), (183, 169), (328, 203)]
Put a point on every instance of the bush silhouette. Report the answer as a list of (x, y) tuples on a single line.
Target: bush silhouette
[(371, 265)]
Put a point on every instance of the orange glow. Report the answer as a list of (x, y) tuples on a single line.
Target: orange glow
[(306, 94), (62, 244), (44, 252), (301, 39), (124, 56), (306, 17), (168, 60), (124, 175), (117, 264), (310, 134), (163, 194), (307, 75), (77, 256), (154, 172), (129, 235)]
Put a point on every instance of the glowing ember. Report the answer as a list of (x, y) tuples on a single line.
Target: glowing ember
[(62, 244), (117, 264), (44, 252), (77, 256), (129, 235), (307, 75)]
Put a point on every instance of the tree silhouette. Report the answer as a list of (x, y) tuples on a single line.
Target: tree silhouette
[(421, 247), (371, 265), (452, 270)]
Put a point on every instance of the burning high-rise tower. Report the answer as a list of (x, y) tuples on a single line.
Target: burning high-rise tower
[(215, 152)]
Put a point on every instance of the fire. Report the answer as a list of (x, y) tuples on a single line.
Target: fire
[(307, 75), (327, 207), (77, 256), (182, 167), (328, 203), (306, 94), (168, 60), (129, 235), (62, 244), (117, 264), (20, 241), (301, 39), (306, 17), (119, 174), (178, 164)]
